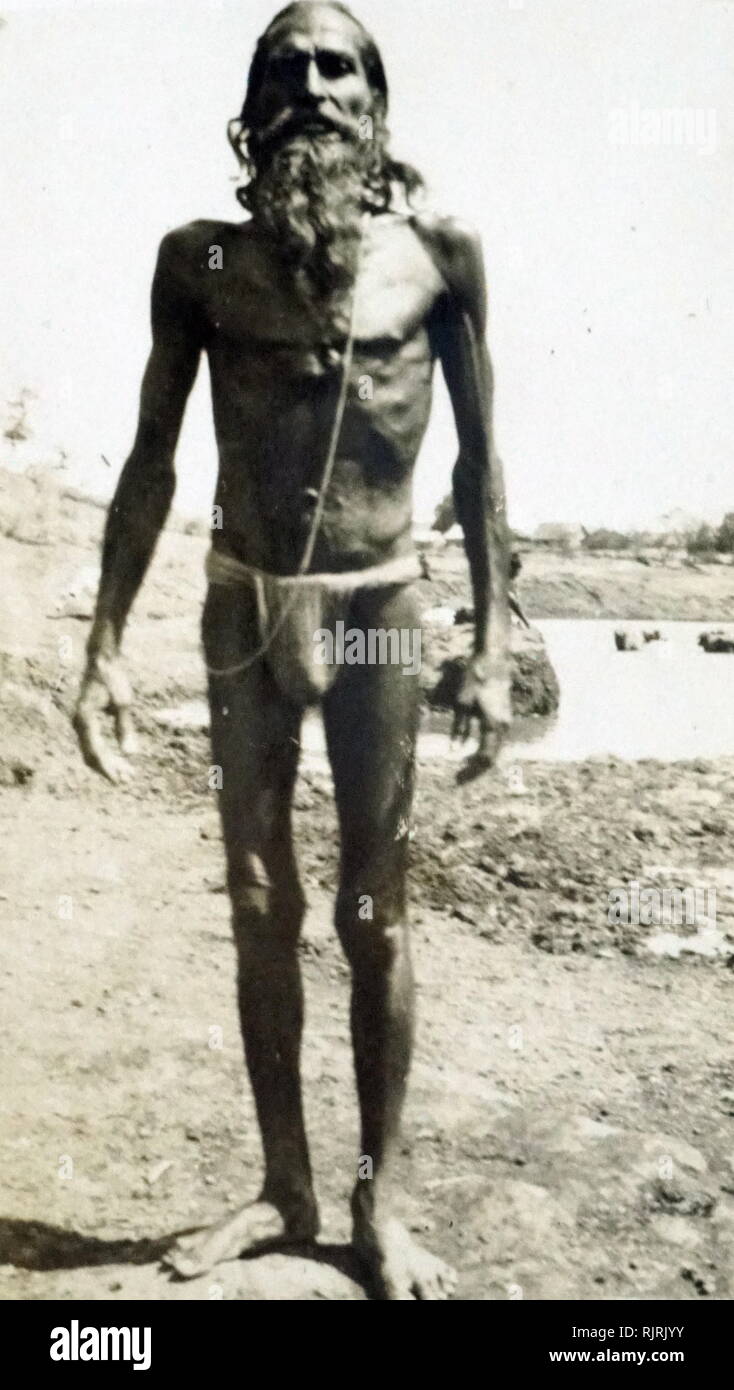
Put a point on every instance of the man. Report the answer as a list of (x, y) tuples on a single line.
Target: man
[(322, 317)]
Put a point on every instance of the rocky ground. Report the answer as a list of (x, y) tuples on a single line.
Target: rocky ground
[(569, 1127)]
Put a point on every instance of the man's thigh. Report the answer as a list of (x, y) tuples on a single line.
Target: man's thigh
[(254, 733), (371, 720)]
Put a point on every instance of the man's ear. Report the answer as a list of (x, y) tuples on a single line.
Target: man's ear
[(237, 136)]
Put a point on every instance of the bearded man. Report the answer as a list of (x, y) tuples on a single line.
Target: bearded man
[(322, 317)]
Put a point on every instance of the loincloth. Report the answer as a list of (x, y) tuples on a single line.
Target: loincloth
[(292, 609)]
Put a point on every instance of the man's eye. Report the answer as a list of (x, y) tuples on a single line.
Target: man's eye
[(331, 65)]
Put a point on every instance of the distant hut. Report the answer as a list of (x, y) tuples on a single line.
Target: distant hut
[(559, 535)]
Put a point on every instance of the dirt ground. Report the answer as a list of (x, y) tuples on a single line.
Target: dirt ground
[(569, 1126)]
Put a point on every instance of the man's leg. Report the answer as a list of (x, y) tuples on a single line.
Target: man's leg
[(371, 719), (255, 742)]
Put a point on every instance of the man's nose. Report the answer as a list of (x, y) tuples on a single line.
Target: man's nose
[(313, 82)]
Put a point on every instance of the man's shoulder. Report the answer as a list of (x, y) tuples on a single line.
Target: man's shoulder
[(195, 242), (450, 232), (456, 248)]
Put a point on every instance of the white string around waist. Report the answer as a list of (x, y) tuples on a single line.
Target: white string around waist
[(278, 592)]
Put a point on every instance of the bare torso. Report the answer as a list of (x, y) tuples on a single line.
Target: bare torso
[(275, 374)]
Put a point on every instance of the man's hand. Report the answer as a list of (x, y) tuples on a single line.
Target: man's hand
[(485, 698), (105, 688)]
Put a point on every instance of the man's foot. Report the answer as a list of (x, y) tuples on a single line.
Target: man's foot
[(399, 1268), (255, 1225)]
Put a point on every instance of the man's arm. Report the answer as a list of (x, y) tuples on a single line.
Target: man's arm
[(478, 484), (139, 508)]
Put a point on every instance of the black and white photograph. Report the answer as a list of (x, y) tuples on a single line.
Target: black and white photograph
[(367, 663)]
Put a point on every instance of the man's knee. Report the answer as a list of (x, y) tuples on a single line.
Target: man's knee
[(267, 901), (372, 924)]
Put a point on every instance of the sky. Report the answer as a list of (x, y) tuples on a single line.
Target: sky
[(607, 224)]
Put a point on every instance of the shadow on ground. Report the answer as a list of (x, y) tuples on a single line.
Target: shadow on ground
[(309, 1269)]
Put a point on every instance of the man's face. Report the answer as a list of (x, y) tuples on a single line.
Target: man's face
[(314, 83)]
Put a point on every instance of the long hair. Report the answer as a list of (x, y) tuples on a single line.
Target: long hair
[(384, 173)]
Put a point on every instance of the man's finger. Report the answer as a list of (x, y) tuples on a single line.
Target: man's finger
[(86, 727), (126, 735), (462, 724), (94, 749), (490, 742)]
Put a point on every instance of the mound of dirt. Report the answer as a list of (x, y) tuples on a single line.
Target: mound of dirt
[(535, 687)]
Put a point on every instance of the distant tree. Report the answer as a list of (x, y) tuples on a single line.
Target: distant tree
[(701, 540), (19, 429), (724, 541), (604, 539)]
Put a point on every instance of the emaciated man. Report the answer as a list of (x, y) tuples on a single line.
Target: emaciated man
[(322, 317)]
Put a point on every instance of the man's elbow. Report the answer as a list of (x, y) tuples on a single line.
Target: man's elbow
[(479, 508), (154, 450), (471, 482), (146, 484)]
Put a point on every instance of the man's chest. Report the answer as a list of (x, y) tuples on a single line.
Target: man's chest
[(250, 301)]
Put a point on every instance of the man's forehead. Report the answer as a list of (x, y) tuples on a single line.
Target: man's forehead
[(316, 26)]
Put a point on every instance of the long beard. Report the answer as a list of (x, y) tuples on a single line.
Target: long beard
[(308, 200)]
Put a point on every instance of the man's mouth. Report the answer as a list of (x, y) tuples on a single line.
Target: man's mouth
[(315, 123), (310, 123)]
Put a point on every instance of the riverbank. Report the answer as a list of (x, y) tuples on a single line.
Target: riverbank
[(589, 585)]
